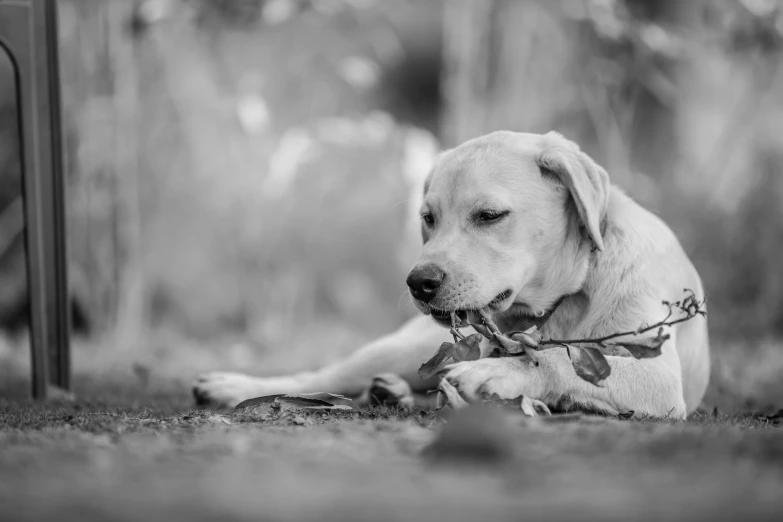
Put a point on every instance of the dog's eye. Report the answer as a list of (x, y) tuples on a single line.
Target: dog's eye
[(491, 216), (428, 219)]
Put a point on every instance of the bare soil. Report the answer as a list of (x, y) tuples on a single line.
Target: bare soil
[(125, 453)]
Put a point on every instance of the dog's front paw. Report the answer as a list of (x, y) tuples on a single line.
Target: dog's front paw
[(228, 389), (502, 378)]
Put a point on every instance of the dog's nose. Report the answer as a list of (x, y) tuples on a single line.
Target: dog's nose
[(424, 282)]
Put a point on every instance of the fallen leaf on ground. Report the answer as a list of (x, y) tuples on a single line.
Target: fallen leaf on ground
[(334, 395), (284, 402), (258, 401), (293, 402)]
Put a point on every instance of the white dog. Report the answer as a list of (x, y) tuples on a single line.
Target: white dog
[(529, 226)]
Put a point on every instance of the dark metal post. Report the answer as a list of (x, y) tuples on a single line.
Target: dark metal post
[(28, 32)]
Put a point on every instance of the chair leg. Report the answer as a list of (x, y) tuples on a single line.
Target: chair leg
[(57, 263), (28, 30)]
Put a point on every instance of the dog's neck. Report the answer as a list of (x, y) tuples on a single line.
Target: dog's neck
[(522, 318)]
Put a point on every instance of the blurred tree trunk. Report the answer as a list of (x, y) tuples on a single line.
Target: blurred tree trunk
[(100, 97), (654, 146), (505, 67), (531, 66), (467, 41), (520, 66), (129, 318), (689, 93)]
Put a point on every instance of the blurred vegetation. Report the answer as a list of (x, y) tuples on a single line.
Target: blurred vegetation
[(680, 101), (248, 169)]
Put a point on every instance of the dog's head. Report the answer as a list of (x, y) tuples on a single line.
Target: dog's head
[(508, 221)]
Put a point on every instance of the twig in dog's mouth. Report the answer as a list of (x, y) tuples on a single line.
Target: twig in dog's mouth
[(588, 361)]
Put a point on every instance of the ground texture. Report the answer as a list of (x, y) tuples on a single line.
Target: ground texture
[(125, 453)]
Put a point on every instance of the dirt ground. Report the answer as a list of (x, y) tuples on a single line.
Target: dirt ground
[(124, 453)]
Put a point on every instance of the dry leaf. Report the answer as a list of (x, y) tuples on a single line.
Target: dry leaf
[(467, 349), (288, 402), (645, 348), (482, 329), (433, 366), (530, 337), (523, 338), (511, 346), (498, 352), (293, 402), (589, 363), (267, 400), (335, 395), (615, 350)]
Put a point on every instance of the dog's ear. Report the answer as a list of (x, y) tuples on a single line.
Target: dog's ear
[(587, 182)]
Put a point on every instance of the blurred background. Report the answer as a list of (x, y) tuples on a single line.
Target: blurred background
[(243, 175)]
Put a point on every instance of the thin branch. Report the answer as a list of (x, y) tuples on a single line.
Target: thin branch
[(457, 334), (689, 306), (593, 367), (601, 340)]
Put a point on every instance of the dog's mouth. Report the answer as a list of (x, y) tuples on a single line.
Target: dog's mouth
[(444, 316), (502, 296)]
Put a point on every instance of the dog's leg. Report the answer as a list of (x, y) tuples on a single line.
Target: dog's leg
[(401, 352), (648, 387)]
